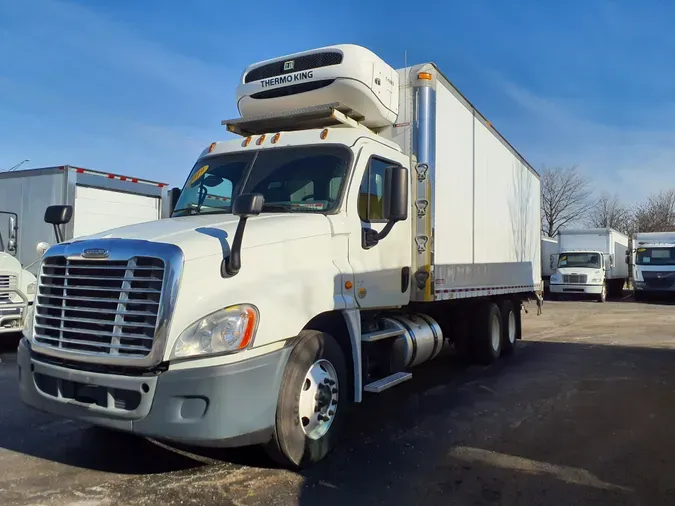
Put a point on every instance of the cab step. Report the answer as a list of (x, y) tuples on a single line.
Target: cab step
[(387, 382), (371, 337)]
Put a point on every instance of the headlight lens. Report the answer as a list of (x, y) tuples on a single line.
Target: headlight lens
[(30, 289), (596, 280), (227, 330)]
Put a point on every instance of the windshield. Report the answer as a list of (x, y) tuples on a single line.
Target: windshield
[(591, 260), (655, 256), (302, 179)]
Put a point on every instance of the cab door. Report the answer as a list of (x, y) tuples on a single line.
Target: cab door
[(382, 272)]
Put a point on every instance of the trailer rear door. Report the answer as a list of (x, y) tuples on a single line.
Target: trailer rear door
[(98, 209)]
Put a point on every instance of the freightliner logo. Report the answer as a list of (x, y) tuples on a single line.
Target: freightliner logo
[(290, 78)]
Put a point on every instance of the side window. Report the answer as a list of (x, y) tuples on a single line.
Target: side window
[(372, 190)]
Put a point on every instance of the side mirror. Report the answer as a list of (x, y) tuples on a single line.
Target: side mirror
[(395, 205), (57, 216), (13, 229), (244, 206), (174, 195), (247, 205)]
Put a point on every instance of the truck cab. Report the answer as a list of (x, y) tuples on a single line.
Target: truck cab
[(580, 273), (653, 264), (17, 285)]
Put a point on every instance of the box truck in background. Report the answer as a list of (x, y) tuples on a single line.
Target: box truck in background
[(653, 261), (99, 201), (590, 263), (364, 217), (549, 260)]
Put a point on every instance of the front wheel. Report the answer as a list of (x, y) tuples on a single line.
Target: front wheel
[(312, 401), (603, 294)]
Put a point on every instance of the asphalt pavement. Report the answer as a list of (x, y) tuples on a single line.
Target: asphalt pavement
[(582, 414)]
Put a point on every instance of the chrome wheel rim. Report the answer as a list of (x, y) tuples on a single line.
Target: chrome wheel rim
[(318, 399), (512, 327), (495, 334)]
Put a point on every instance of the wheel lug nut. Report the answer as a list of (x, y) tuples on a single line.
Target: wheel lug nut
[(316, 409), (331, 413), (335, 390), (333, 402), (316, 397)]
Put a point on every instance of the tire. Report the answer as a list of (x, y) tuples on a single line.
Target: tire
[(300, 437), (487, 335), (639, 296), (510, 327), (603, 296)]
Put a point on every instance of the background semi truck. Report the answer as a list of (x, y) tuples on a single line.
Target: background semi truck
[(99, 201), (590, 263), (653, 264), (549, 260), (364, 217)]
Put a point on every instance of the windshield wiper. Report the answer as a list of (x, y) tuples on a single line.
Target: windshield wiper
[(190, 210), (274, 206)]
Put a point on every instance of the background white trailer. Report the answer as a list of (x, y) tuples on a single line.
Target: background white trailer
[(100, 201), (549, 258)]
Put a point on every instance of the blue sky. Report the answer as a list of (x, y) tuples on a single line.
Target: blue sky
[(140, 87)]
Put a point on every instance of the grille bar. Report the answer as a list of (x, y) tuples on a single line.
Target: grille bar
[(575, 278), (100, 307)]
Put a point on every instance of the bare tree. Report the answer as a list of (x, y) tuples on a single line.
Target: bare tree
[(656, 214), (609, 212), (565, 198)]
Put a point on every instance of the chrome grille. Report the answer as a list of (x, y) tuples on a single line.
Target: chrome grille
[(574, 278), (99, 307)]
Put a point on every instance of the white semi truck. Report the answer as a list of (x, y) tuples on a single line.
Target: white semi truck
[(99, 201), (364, 217), (17, 285), (590, 263), (653, 262)]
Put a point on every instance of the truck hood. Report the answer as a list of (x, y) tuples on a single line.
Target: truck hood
[(203, 236), (9, 264)]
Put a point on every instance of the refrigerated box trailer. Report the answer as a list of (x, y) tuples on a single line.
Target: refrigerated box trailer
[(590, 263), (365, 217), (653, 260), (99, 200)]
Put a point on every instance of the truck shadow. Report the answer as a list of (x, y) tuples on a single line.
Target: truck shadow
[(551, 421)]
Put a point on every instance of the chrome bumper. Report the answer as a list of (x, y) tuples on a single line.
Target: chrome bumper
[(12, 313)]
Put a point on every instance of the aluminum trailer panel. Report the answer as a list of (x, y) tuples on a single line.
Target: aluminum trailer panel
[(100, 201), (482, 222)]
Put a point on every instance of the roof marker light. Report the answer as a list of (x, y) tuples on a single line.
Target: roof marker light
[(246, 142), (260, 140), (324, 134), (275, 139), (426, 76), (212, 147)]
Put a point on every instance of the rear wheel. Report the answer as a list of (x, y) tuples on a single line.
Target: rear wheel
[(312, 401), (510, 327), (487, 333)]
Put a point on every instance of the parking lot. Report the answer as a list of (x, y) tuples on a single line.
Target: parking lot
[(582, 414)]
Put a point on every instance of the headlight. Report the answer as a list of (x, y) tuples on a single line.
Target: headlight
[(28, 322), (555, 278), (596, 280), (30, 289), (227, 330)]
